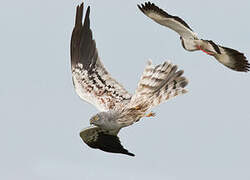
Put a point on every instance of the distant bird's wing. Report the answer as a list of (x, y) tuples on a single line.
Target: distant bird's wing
[(91, 80), (97, 138), (233, 59), (173, 22)]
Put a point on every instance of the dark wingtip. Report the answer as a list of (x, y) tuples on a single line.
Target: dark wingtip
[(75, 40), (108, 143), (79, 14), (148, 6), (139, 6), (88, 11), (83, 47), (241, 63), (130, 154), (125, 151), (86, 20)]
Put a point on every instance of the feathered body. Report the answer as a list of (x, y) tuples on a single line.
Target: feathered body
[(157, 84)]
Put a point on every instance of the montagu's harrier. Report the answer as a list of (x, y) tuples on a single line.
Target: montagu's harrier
[(118, 108), (231, 58)]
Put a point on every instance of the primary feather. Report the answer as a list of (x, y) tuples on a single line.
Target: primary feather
[(91, 80)]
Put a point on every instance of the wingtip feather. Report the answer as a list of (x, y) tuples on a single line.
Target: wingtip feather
[(79, 14), (237, 59)]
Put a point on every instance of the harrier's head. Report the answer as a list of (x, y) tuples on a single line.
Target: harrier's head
[(106, 120)]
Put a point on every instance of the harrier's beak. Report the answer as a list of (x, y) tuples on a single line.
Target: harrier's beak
[(94, 119)]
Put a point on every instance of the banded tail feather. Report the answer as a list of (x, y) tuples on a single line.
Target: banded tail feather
[(158, 84)]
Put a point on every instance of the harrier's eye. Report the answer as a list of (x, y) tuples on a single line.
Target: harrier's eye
[(96, 118)]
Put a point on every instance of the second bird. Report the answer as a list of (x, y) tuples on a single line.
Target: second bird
[(231, 58)]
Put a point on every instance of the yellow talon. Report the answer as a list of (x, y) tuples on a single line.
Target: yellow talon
[(151, 114)]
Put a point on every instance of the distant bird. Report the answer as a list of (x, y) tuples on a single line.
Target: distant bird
[(118, 108), (231, 58)]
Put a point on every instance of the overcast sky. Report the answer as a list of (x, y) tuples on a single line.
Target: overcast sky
[(203, 134)]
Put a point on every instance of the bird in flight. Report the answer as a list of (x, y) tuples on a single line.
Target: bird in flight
[(231, 58), (117, 107)]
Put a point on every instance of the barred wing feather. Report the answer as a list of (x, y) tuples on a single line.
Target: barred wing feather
[(91, 80)]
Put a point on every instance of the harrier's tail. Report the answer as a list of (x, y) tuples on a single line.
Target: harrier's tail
[(158, 84)]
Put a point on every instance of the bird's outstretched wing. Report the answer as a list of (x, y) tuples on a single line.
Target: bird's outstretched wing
[(162, 17), (233, 59), (229, 57), (98, 138), (91, 80)]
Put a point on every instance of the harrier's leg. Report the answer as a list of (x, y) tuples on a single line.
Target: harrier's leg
[(151, 114)]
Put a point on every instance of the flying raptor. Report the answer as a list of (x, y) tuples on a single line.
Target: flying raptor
[(117, 107), (231, 58)]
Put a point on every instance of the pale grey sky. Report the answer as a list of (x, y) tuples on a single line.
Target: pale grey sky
[(201, 135)]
